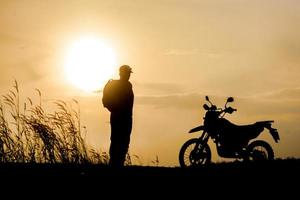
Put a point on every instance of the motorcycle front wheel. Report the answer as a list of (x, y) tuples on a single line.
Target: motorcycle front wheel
[(191, 154), (259, 150)]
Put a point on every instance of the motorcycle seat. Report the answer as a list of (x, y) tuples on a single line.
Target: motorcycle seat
[(248, 132)]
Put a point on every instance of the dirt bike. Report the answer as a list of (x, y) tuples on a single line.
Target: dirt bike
[(232, 141)]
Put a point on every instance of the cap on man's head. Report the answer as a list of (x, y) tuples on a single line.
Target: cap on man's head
[(125, 68)]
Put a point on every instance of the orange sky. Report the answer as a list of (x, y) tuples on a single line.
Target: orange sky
[(180, 51)]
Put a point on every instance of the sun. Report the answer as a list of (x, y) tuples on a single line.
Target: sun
[(89, 63)]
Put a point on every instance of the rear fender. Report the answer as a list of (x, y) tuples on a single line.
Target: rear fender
[(274, 134), (273, 131)]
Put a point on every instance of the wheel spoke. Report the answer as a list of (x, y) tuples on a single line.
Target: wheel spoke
[(260, 150)]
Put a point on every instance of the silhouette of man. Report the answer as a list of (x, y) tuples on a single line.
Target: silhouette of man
[(120, 107)]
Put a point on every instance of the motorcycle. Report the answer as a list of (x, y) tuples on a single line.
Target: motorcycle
[(232, 141)]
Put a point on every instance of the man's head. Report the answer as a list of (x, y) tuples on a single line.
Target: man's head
[(124, 72)]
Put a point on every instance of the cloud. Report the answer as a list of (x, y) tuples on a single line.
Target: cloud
[(290, 94), (287, 48), (23, 58), (178, 101), (159, 87), (182, 52), (285, 102), (185, 52)]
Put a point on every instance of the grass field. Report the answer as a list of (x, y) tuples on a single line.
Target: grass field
[(225, 180), (277, 168)]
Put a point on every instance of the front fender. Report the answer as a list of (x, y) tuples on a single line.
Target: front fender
[(198, 128)]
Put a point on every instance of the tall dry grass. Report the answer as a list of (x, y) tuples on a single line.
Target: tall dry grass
[(29, 134)]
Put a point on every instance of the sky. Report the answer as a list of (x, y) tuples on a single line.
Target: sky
[(180, 51)]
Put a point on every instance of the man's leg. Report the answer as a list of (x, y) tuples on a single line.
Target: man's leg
[(126, 132), (114, 153), (124, 149), (120, 139), (115, 141)]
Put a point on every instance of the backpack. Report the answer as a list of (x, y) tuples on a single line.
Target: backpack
[(108, 98)]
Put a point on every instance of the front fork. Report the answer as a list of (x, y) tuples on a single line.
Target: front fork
[(198, 153), (203, 139)]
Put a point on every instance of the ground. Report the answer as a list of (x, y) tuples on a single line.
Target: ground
[(232, 177)]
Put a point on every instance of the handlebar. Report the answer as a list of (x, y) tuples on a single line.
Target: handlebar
[(229, 110), (220, 111)]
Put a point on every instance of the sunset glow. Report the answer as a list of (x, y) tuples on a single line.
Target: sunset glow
[(89, 63)]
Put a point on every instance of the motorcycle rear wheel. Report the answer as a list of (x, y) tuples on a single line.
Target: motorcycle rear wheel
[(259, 150), (189, 156)]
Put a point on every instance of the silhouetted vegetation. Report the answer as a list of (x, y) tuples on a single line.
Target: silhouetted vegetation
[(30, 135)]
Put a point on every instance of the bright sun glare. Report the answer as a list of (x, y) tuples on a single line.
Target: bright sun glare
[(90, 62)]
